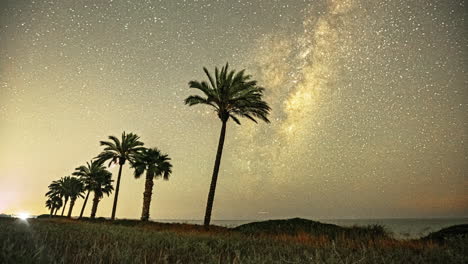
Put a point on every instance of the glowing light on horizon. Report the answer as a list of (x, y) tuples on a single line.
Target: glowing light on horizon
[(23, 216)]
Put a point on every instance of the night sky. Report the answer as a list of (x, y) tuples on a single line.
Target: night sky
[(369, 99)]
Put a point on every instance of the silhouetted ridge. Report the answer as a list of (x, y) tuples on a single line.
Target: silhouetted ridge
[(299, 225), (456, 231)]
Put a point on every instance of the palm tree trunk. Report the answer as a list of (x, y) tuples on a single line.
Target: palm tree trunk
[(56, 211), (147, 197), (64, 205), (72, 203), (84, 204), (214, 178), (116, 196), (95, 205), (51, 212)]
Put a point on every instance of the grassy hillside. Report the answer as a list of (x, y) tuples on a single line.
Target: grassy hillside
[(449, 233), (313, 228), (128, 241)]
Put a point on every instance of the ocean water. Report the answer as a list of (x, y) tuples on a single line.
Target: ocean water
[(402, 228)]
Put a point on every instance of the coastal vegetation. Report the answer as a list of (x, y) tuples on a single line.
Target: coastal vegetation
[(62, 240), (233, 96), (155, 165), (68, 188), (118, 152), (96, 179)]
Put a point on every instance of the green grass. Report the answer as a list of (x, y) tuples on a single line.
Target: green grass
[(73, 241)]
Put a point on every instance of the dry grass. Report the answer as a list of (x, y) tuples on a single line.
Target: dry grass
[(73, 241)]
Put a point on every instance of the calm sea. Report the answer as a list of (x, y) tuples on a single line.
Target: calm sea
[(400, 227)]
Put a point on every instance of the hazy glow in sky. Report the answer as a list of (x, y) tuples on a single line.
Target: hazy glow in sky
[(369, 104)]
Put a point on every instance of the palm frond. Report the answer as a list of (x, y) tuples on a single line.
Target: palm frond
[(213, 84), (202, 86), (116, 142), (195, 99), (109, 145), (235, 119), (233, 95), (153, 162)]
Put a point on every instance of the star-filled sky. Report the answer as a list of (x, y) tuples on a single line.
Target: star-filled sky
[(369, 98)]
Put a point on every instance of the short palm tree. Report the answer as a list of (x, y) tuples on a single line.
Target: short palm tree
[(88, 175), (57, 188), (156, 165), (53, 204), (119, 151), (232, 95), (74, 188), (102, 185)]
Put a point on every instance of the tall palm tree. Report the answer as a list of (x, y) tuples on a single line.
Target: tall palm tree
[(88, 175), (57, 188), (53, 204), (119, 151), (102, 185), (232, 95), (74, 188), (156, 165)]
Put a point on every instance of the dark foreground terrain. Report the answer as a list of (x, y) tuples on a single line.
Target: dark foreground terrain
[(277, 241)]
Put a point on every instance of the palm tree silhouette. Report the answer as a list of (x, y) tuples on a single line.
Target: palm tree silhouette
[(74, 188), (57, 188), (88, 175), (232, 95), (102, 185), (119, 151), (53, 204), (155, 165)]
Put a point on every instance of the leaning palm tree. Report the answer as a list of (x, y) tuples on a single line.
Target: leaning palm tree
[(57, 188), (53, 204), (119, 151), (232, 95), (74, 188), (102, 184), (156, 165), (88, 174)]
